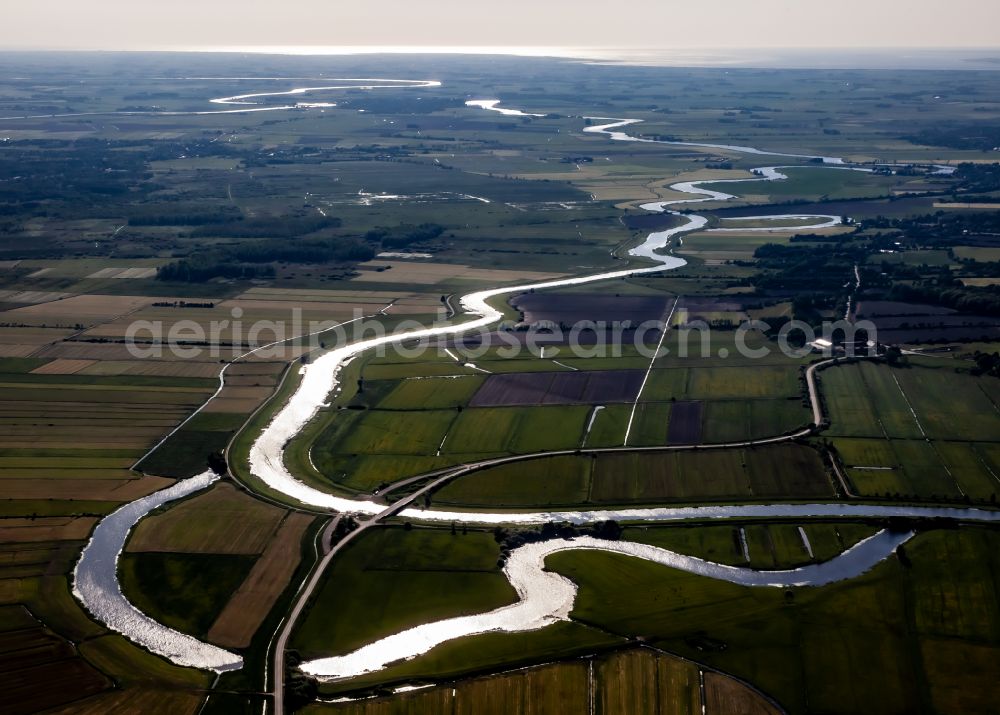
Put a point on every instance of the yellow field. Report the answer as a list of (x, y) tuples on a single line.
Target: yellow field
[(82, 489), (63, 367), (641, 682), (432, 273), (633, 682), (85, 309), (724, 696), (57, 528), (249, 606)]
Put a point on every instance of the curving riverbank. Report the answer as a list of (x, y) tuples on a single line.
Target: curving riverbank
[(95, 579), (96, 586), (366, 84), (321, 377), (492, 105), (612, 126), (247, 106), (546, 597)]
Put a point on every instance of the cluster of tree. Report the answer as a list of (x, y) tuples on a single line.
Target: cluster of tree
[(203, 268), (970, 267), (986, 364), (268, 227), (86, 169), (979, 177), (300, 689), (315, 250), (965, 299), (182, 304), (819, 268), (820, 238), (404, 236), (512, 539), (976, 136), (939, 229), (253, 259), (159, 215)]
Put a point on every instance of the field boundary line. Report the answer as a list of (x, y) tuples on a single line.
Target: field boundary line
[(649, 370)]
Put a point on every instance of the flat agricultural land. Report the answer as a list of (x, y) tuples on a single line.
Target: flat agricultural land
[(71, 437), (401, 578), (758, 544), (595, 387), (185, 591), (570, 308), (919, 431), (32, 657), (417, 414), (418, 273), (237, 623), (223, 520), (392, 205), (633, 682), (722, 624), (787, 471)]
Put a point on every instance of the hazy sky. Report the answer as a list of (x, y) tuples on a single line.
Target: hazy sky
[(136, 24)]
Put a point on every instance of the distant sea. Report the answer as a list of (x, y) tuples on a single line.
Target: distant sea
[(892, 58)]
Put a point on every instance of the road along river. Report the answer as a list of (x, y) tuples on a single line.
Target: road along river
[(320, 378), (543, 597)]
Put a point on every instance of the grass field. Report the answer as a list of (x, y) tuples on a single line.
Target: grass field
[(786, 471), (885, 611), (515, 200), (769, 546), (806, 645), (431, 393), (184, 591), (365, 449), (399, 578), (920, 431), (412, 415), (808, 183), (222, 520)]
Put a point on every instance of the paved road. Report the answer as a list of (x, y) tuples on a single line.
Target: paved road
[(440, 477), (459, 470), (330, 550)]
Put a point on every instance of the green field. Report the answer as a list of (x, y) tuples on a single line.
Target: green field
[(393, 578), (890, 611), (770, 545), (808, 183), (919, 431), (260, 213), (184, 591), (808, 644), (785, 471)]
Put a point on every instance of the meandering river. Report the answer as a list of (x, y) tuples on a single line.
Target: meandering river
[(95, 585), (544, 597)]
